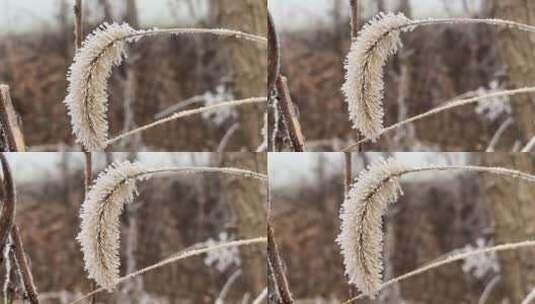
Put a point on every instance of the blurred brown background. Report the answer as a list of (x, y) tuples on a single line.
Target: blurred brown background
[(36, 50), (439, 212), (171, 214), (436, 64)]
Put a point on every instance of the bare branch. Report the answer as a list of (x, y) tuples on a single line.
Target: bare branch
[(9, 199), (8, 118), (24, 268), (290, 120), (276, 265)]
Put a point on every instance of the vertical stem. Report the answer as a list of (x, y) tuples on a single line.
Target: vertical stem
[(355, 26), (9, 205), (290, 120), (20, 256), (355, 18), (348, 176), (275, 79), (285, 296), (88, 173), (78, 38), (24, 268), (273, 53), (8, 117), (78, 25)]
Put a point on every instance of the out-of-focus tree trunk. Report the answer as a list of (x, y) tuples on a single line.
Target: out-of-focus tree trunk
[(132, 143), (131, 13), (405, 8), (248, 201), (517, 52), (381, 5), (249, 63), (511, 204), (106, 8)]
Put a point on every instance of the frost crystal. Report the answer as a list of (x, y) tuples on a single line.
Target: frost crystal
[(218, 116), (480, 265), (99, 235), (494, 108), (223, 258), (364, 85), (361, 236)]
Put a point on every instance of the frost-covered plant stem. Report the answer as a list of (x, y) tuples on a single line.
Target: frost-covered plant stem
[(361, 235), (448, 106), (451, 259), (187, 113), (289, 118), (193, 31), (275, 264), (529, 145), (23, 266), (176, 258)]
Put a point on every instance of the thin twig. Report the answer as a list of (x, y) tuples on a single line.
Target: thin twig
[(273, 53), (199, 170), (283, 290), (451, 259), (20, 256), (290, 120), (178, 106), (529, 145), (348, 176), (355, 27), (175, 258), (9, 288), (355, 18), (447, 106), (275, 79), (189, 113), (24, 268), (226, 138), (9, 204), (8, 118), (496, 137), (488, 290), (78, 25), (226, 287)]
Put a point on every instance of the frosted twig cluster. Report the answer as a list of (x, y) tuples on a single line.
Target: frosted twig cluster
[(376, 42), (87, 97), (115, 187), (361, 236)]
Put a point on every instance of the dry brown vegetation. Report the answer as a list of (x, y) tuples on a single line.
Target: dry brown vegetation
[(167, 71), (171, 214), (437, 64), (434, 217)]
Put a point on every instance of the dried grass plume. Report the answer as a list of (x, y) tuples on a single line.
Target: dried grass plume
[(364, 84), (87, 98), (361, 236), (99, 235)]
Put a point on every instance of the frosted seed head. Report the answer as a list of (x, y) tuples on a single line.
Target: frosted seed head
[(361, 238), (364, 84), (99, 234), (87, 97)]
